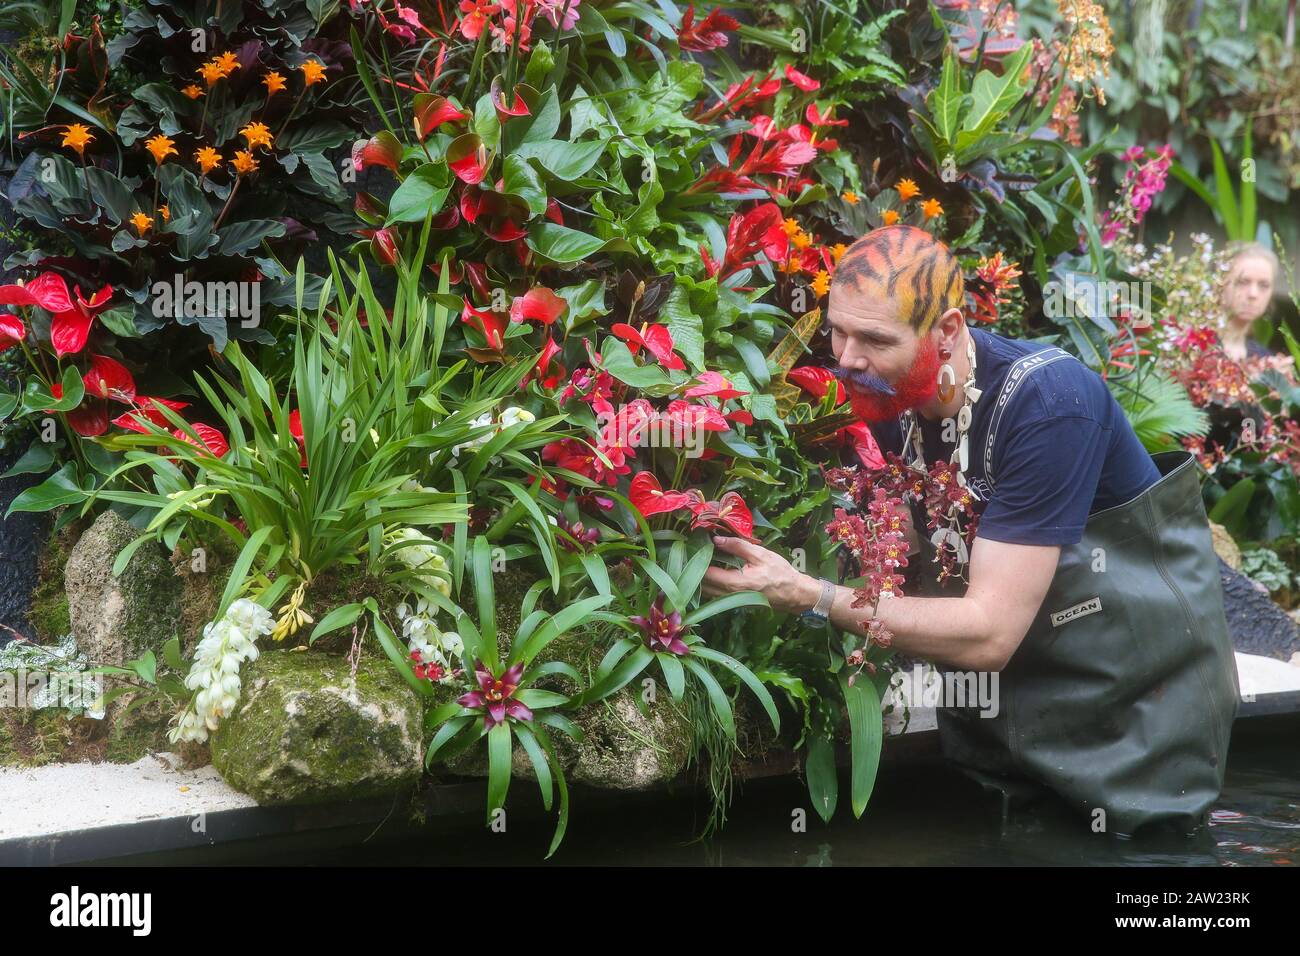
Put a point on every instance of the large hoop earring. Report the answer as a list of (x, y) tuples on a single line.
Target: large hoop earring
[(946, 393)]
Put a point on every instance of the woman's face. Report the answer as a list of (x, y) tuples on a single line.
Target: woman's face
[(1249, 289)]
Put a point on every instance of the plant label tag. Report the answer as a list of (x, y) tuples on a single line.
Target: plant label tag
[(1083, 609)]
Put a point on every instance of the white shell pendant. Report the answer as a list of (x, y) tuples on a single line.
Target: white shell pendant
[(963, 418), (973, 393), (963, 453), (949, 540)]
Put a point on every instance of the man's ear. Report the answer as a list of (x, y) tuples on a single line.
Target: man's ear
[(950, 325)]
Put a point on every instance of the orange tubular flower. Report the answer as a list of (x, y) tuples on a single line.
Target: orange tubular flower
[(821, 283), (313, 71), (193, 91), (274, 83), (889, 217), (244, 162), (850, 197), (211, 72), (907, 189), (931, 208), (226, 62), (78, 137), (801, 240), (207, 158), (166, 213), (160, 147), (257, 134), (838, 250), (141, 222)]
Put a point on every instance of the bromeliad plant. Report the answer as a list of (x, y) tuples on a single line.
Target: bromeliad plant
[(500, 705), (664, 632)]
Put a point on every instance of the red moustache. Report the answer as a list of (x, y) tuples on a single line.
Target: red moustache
[(918, 386)]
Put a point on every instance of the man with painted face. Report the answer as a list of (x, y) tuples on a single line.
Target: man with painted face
[(1093, 585)]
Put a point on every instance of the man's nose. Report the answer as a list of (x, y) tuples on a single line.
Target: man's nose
[(855, 359)]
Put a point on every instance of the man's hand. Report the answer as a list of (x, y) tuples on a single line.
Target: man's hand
[(765, 571)]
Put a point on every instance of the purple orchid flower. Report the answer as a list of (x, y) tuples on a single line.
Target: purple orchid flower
[(662, 632), (494, 695)]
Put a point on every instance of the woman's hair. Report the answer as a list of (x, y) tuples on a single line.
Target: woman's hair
[(1244, 250)]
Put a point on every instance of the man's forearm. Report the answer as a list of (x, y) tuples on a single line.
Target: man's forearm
[(954, 631)]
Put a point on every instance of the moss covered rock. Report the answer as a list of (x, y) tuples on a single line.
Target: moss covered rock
[(304, 733), (116, 618), (624, 748)]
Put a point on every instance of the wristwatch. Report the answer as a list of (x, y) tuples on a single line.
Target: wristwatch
[(821, 611)]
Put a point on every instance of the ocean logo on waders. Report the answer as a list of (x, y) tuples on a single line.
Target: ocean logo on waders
[(1082, 609)]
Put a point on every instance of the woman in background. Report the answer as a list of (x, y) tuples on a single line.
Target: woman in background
[(1247, 295)]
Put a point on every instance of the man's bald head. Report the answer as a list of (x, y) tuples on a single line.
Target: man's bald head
[(907, 267)]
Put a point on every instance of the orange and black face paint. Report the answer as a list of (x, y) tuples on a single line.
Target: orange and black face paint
[(909, 267)]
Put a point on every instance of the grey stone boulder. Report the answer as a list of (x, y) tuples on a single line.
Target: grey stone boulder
[(304, 732), (625, 749), (116, 618)]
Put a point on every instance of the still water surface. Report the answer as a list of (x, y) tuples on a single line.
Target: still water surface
[(922, 813)]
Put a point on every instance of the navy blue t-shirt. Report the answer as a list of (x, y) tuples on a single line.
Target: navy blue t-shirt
[(1061, 447)]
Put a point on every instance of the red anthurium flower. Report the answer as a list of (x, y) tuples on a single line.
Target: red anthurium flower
[(109, 379), (146, 410), (816, 381), (731, 513), (708, 34), (864, 446), (89, 419), (477, 274), (704, 417), (507, 230), (543, 365), (69, 331), (295, 431), (805, 83), (504, 109), (764, 128), (383, 246), (431, 111), (48, 290), (382, 149), (656, 339), (815, 117), (471, 204), (495, 695), (712, 383), (210, 440), (97, 301), (12, 331), (740, 417), (538, 303), (369, 209), (649, 498), (491, 324), (554, 213), (468, 158), (662, 632)]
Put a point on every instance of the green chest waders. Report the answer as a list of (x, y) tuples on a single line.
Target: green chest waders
[(1122, 694)]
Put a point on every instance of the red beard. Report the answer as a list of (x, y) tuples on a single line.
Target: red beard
[(918, 386)]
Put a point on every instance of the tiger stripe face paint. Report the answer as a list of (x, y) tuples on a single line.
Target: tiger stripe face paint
[(907, 266)]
